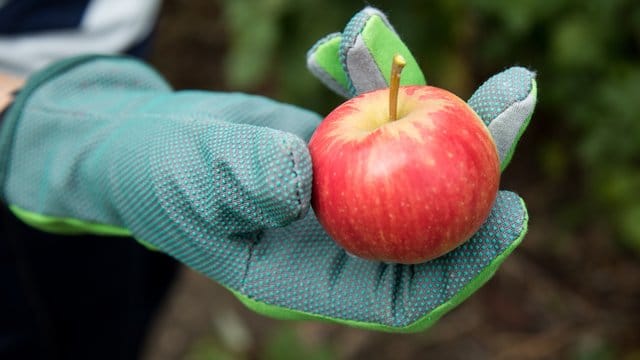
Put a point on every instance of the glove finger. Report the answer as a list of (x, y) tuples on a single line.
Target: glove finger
[(369, 43), (238, 108), (252, 177), (505, 103), (323, 62), (299, 272), (359, 59)]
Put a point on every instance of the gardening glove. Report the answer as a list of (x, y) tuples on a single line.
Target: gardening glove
[(412, 297), (102, 145)]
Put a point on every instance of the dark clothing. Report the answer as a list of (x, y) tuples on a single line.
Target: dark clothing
[(76, 297), (34, 33)]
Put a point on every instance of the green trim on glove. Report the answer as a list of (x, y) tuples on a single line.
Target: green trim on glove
[(421, 324), (65, 226), (69, 226)]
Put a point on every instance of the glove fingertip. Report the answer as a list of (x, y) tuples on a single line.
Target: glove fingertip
[(260, 178), (502, 90), (368, 45), (295, 177), (511, 205), (354, 54), (356, 24), (505, 103)]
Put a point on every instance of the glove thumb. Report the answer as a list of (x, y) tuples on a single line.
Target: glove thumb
[(237, 178)]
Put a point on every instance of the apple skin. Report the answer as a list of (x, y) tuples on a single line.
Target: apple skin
[(404, 191)]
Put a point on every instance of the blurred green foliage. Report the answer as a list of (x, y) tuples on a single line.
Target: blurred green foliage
[(587, 55), (286, 344), (283, 344), (209, 347)]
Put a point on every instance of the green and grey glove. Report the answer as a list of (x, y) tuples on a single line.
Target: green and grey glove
[(103, 145)]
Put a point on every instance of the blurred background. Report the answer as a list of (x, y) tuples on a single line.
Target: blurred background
[(570, 291)]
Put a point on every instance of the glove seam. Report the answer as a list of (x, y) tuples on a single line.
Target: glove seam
[(298, 193)]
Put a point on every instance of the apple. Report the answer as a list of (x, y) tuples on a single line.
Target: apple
[(403, 178)]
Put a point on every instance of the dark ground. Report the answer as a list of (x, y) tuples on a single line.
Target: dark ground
[(574, 295)]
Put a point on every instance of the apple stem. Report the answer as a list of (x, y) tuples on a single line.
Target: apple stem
[(394, 85)]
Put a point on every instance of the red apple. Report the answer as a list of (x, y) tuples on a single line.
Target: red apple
[(408, 190)]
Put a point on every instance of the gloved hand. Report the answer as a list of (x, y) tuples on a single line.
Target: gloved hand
[(103, 145)]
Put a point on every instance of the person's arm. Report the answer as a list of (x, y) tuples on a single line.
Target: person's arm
[(8, 85)]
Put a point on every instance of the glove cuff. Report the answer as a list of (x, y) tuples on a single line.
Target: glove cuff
[(13, 114)]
